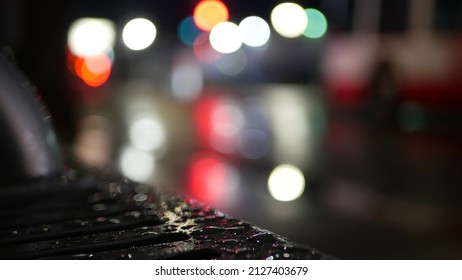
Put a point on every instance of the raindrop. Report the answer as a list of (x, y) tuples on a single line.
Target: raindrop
[(238, 250), (187, 226), (80, 255), (99, 207), (237, 230), (100, 219), (228, 241), (207, 231), (149, 205), (135, 214), (114, 221), (170, 228), (178, 210), (140, 197), (262, 237)]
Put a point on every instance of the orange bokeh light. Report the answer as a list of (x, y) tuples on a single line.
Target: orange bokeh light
[(208, 13), (94, 70)]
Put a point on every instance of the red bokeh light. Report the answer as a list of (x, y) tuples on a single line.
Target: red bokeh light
[(207, 178)]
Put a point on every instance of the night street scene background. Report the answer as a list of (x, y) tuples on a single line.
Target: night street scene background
[(335, 123)]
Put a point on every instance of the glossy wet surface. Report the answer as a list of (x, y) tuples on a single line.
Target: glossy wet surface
[(108, 218), (374, 189)]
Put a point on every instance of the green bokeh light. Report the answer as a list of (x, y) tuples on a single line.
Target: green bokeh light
[(317, 24)]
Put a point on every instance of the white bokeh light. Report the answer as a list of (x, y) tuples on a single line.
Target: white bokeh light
[(226, 37), (286, 183), (139, 33), (147, 134), (187, 81), (91, 36), (136, 164), (289, 20), (255, 31)]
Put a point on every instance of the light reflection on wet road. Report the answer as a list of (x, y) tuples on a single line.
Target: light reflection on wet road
[(370, 191)]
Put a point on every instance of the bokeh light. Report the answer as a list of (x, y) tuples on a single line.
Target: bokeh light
[(227, 123), (212, 180), (317, 24), (93, 70), (289, 19), (91, 36), (288, 105), (188, 31), (187, 80), (203, 51), (147, 134), (92, 146), (136, 164), (286, 183), (233, 63), (226, 37), (202, 117), (254, 143), (139, 33), (219, 122), (255, 31), (209, 13)]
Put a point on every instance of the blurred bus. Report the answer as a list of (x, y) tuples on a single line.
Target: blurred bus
[(384, 52)]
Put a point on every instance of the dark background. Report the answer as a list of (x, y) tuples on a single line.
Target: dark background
[(374, 189)]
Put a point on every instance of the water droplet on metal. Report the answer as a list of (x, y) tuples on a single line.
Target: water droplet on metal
[(207, 231), (114, 221), (238, 250), (149, 205), (261, 237), (188, 226), (170, 228), (99, 207), (135, 214), (149, 233), (80, 255), (140, 197)]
